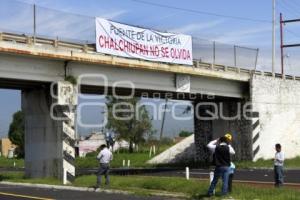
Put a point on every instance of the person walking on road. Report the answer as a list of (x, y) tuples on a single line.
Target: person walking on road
[(104, 157), (222, 151), (278, 166)]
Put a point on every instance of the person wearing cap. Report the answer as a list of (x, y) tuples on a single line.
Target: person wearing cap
[(228, 136), (222, 151)]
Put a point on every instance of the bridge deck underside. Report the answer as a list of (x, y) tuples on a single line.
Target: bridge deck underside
[(23, 72)]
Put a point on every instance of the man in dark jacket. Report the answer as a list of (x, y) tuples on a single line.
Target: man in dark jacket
[(222, 151)]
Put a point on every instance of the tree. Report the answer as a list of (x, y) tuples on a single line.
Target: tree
[(185, 133), (128, 119), (16, 132)]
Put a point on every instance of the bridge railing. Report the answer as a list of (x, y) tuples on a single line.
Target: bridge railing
[(224, 54), (30, 19), (90, 48)]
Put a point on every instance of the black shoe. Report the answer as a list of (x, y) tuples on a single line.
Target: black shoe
[(209, 195)]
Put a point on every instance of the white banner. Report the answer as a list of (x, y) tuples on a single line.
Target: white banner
[(133, 42)]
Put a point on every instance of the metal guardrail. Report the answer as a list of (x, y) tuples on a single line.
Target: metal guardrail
[(90, 48)]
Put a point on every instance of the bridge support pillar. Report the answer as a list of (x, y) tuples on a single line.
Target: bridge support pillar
[(49, 136), (203, 132), (214, 119)]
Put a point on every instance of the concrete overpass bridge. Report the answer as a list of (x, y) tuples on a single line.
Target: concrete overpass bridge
[(261, 108)]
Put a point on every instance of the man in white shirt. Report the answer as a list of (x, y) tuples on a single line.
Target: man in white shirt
[(278, 166), (104, 157)]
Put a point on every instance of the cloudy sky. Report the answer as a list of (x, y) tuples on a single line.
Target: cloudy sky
[(244, 23)]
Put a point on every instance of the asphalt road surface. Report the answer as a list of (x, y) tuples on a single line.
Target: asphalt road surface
[(27, 193), (250, 175)]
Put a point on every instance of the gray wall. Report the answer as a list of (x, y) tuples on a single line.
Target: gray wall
[(43, 136), (277, 102)]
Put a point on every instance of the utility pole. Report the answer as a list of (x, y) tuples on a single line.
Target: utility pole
[(274, 38), (163, 120), (162, 124), (34, 23), (282, 45)]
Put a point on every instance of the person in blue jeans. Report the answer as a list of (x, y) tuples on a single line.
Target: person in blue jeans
[(104, 157), (278, 166), (222, 151)]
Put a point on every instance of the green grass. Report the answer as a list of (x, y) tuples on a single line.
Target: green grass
[(193, 188), (293, 163), (9, 162), (136, 160), (288, 163), (20, 178)]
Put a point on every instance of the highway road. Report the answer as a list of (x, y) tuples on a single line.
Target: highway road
[(257, 176), (242, 175)]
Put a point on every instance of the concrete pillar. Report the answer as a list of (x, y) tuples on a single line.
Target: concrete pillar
[(203, 131), (229, 119), (43, 136), (49, 142), (246, 139), (241, 129)]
